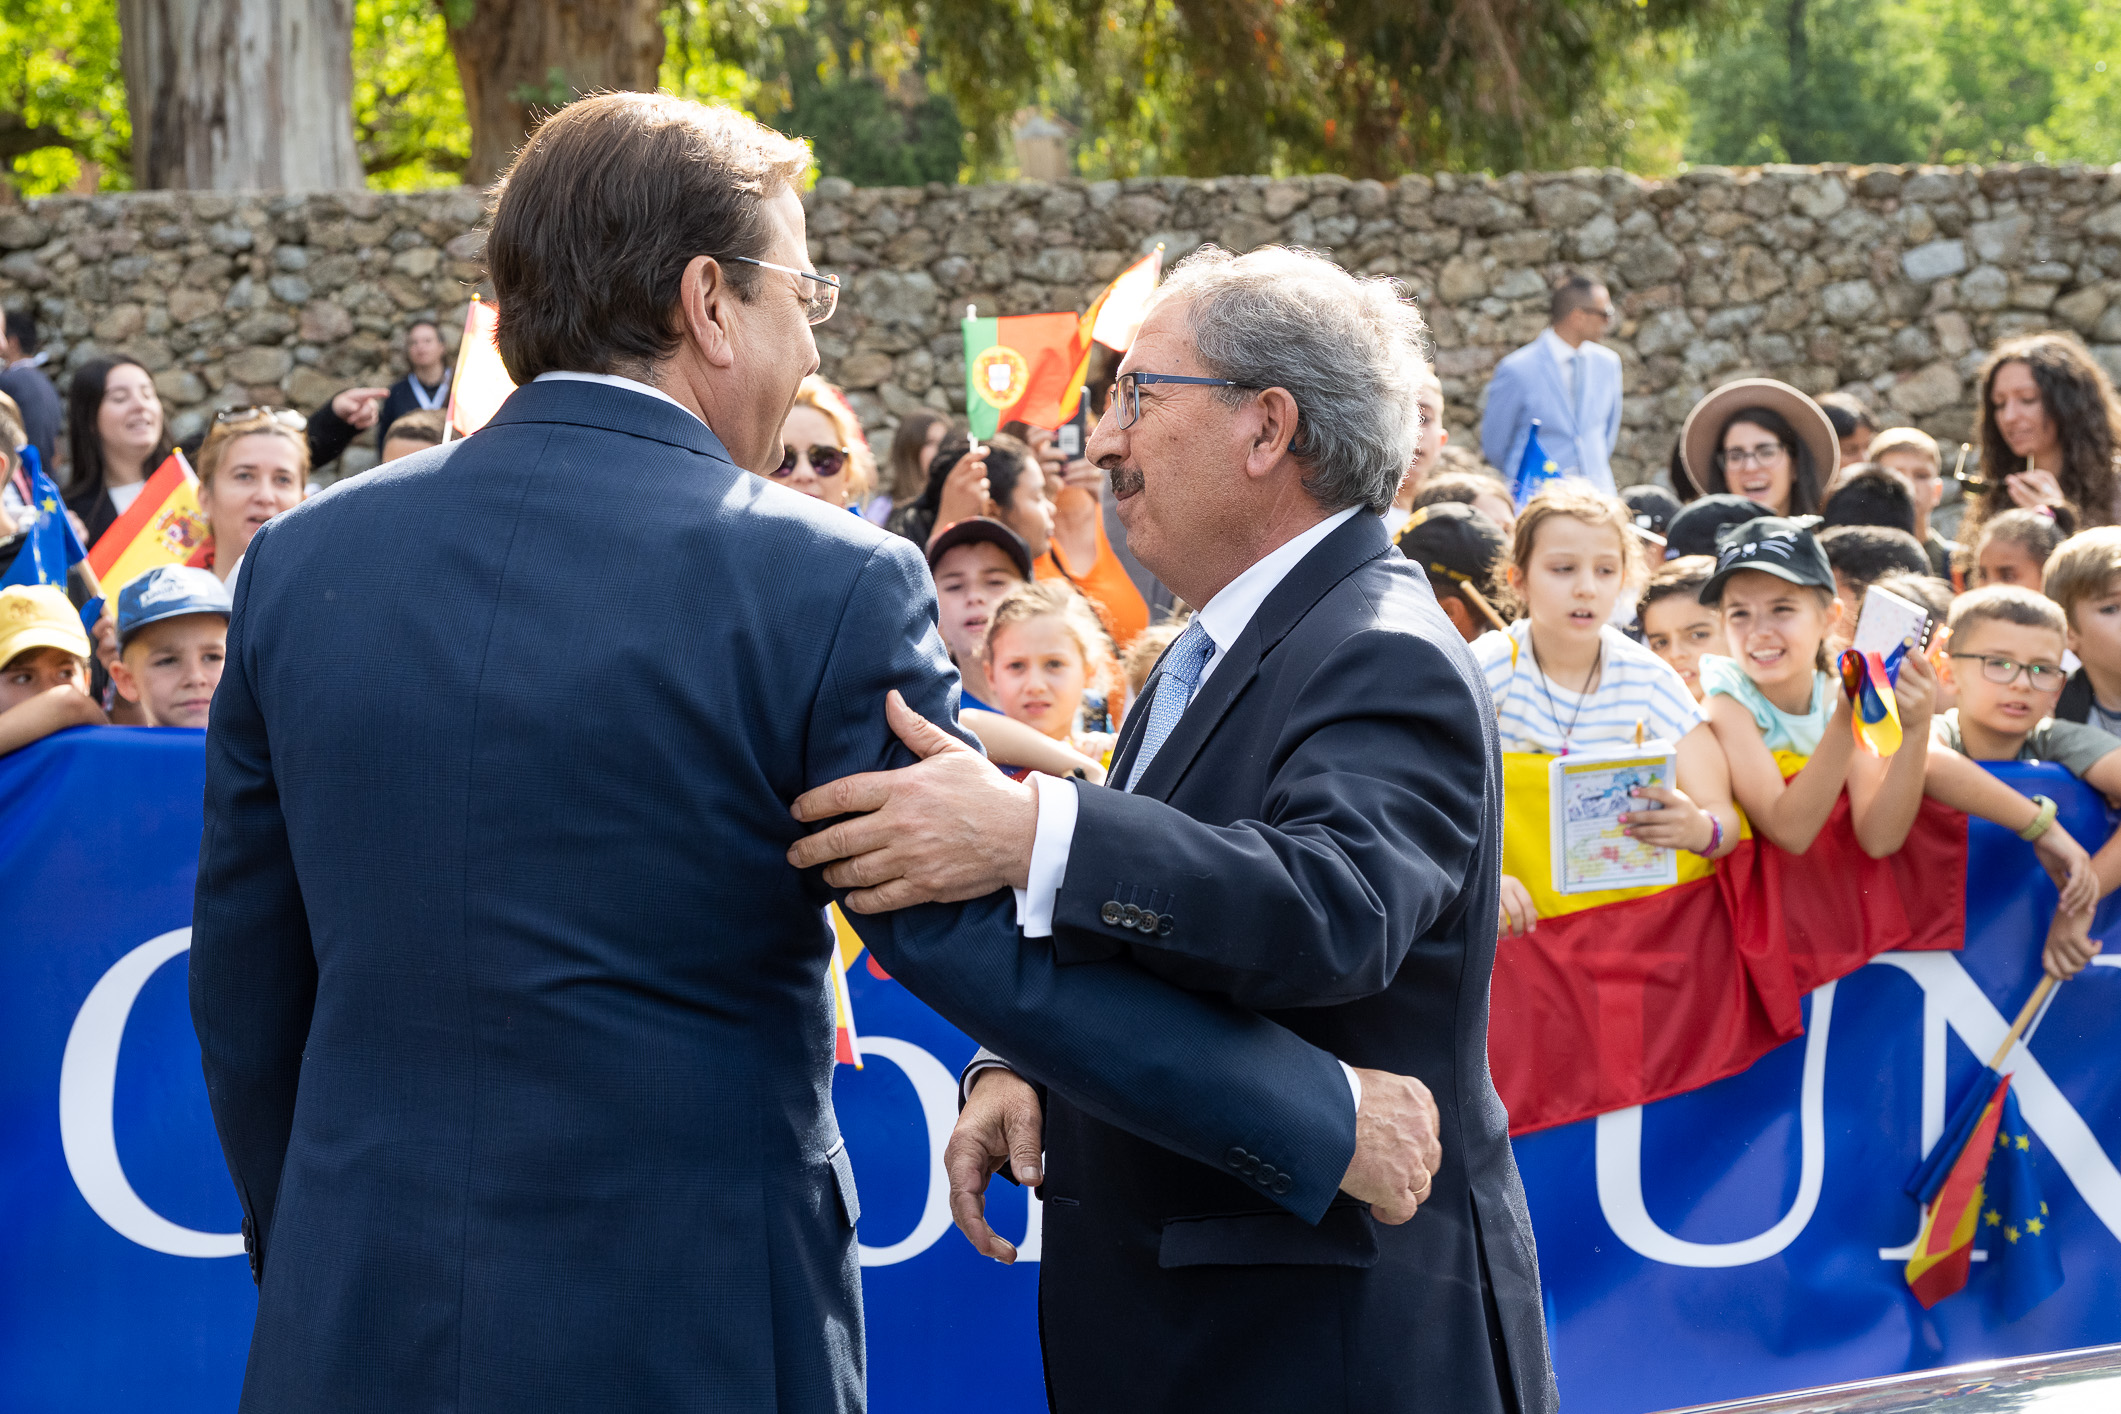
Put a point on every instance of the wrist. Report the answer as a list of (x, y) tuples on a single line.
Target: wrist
[(2043, 819), (1715, 839)]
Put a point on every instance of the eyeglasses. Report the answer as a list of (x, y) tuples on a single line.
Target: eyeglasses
[(1127, 391), (2004, 671), (825, 461), (285, 417), (1766, 454), (824, 296)]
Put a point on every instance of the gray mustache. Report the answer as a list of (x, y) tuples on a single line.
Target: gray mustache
[(1126, 480)]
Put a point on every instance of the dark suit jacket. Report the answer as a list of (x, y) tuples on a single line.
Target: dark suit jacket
[(515, 1020), (399, 402), (1319, 839)]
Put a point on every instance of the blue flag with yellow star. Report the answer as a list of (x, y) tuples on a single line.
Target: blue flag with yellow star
[(52, 548), (2015, 1222), (1535, 470)]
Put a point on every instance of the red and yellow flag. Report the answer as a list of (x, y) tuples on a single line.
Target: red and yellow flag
[(163, 526), (481, 383), (846, 947), (1031, 367), (1946, 1247)]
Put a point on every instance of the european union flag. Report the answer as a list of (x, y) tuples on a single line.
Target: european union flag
[(2015, 1222), (1535, 469), (52, 548)]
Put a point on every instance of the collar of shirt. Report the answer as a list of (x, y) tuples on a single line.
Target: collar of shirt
[(613, 380), (1558, 347), (1224, 617), (35, 360)]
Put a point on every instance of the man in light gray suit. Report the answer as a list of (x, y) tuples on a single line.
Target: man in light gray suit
[(1567, 383)]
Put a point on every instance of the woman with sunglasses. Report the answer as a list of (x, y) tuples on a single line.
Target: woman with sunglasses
[(253, 466), (823, 451), (114, 436)]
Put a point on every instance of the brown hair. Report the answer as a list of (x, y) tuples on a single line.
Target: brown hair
[(1040, 598), (1577, 501), (2037, 533), (1685, 575), (2079, 400), (263, 423), (815, 393), (1459, 486), (1906, 439), (2008, 604), (908, 478), (1148, 646), (2083, 567), (419, 425), (602, 210)]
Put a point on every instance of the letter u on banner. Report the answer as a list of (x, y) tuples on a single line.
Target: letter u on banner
[(88, 1083), (1620, 1170)]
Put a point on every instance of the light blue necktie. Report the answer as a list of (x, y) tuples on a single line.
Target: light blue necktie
[(1188, 654)]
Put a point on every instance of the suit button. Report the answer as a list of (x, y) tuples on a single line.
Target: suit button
[(1129, 916), (1163, 926), (1110, 912), (1236, 1157), (1148, 923), (1283, 1183)]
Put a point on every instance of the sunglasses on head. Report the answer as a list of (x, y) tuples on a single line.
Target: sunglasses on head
[(824, 461)]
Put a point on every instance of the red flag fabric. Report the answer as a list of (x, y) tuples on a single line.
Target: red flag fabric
[(1632, 1001)]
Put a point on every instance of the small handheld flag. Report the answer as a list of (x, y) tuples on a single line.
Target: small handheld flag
[(1867, 679), (2030, 1268), (846, 947), (481, 382), (163, 526), (1535, 469), (52, 548), (1032, 367)]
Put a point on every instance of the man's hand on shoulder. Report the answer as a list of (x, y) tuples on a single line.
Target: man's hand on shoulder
[(1396, 1148), (947, 828), (1001, 1123)]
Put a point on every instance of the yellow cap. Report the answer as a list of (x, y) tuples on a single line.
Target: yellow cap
[(39, 616)]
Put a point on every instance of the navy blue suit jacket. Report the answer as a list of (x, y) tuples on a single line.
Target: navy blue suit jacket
[(1320, 839), (514, 1017)]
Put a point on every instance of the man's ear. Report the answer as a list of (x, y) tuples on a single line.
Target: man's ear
[(704, 297), (1275, 422)]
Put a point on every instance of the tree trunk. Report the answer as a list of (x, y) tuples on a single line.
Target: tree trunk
[(238, 95), (520, 59)]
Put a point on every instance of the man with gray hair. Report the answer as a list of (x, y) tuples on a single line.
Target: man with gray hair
[(1305, 820)]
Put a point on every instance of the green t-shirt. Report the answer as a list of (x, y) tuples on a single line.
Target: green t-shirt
[(2070, 744), (1782, 731)]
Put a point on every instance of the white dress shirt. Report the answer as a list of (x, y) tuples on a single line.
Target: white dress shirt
[(1223, 618), (1565, 358), (613, 380)]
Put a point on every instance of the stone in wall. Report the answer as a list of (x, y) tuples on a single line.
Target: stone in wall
[(1889, 282)]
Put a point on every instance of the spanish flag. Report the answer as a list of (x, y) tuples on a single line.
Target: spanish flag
[(163, 526), (1031, 367), (1945, 1250), (846, 947), (481, 382)]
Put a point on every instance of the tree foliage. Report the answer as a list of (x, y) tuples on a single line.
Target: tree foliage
[(62, 96), (408, 108)]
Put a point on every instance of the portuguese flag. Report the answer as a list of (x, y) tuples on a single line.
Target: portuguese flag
[(1030, 367)]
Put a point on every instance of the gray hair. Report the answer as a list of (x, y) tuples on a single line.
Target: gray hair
[(1349, 350)]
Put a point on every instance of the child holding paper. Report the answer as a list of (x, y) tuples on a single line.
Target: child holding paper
[(1564, 679)]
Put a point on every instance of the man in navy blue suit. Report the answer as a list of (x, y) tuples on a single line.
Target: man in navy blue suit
[(514, 1016), (1303, 817)]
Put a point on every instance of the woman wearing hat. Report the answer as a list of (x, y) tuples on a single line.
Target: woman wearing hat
[(2050, 428), (1763, 440)]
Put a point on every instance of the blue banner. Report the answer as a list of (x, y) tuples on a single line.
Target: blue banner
[(1744, 1238)]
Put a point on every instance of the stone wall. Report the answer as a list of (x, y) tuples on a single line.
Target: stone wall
[(1888, 282)]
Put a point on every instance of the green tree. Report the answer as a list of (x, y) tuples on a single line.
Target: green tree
[(408, 107), (62, 96)]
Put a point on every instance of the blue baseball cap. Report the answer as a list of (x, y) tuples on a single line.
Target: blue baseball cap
[(168, 592)]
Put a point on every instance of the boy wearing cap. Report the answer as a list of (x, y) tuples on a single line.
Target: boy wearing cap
[(172, 641), (974, 562), (1458, 548), (43, 667)]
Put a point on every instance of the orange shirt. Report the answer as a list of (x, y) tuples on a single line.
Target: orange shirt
[(1105, 584)]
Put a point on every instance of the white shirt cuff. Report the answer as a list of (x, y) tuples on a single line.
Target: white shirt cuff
[(1354, 1085), (1057, 804)]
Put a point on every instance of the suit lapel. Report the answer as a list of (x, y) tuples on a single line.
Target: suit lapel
[(1361, 539)]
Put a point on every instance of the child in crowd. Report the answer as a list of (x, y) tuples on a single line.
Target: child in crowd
[(172, 641), (1854, 426), (416, 431), (1675, 624), (2084, 578), (2006, 659), (1694, 530), (1564, 679), (2012, 548), (1047, 654), (43, 666), (1868, 494), (1482, 490), (1148, 646), (976, 563), (1776, 594), (1915, 455), (1861, 556), (1459, 548)]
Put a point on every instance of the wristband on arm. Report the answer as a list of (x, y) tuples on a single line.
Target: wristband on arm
[(2041, 821)]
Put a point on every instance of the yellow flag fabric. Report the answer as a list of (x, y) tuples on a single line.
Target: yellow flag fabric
[(846, 947)]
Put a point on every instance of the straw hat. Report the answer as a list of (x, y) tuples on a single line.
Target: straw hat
[(1699, 438)]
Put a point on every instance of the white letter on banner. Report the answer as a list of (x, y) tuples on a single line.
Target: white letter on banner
[(937, 1090), (88, 1083), (1620, 1170)]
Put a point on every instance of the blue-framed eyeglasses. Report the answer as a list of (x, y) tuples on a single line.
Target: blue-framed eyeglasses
[(823, 290), (1127, 394)]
